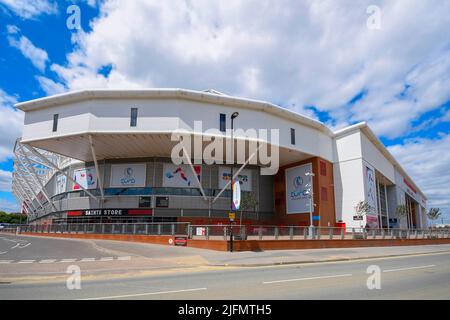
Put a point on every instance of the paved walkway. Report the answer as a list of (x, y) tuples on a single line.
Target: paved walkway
[(275, 257)]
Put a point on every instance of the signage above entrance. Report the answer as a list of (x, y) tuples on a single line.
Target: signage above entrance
[(109, 212)]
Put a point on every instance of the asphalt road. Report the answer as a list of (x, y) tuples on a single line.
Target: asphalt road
[(412, 277), (37, 248)]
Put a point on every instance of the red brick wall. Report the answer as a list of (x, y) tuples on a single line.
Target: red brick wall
[(323, 189)]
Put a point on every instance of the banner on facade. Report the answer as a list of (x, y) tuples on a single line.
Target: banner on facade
[(61, 184), (236, 195), (372, 218), (128, 175), (297, 186), (181, 176), (244, 178), (86, 177)]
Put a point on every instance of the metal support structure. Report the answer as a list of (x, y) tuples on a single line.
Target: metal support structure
[(24, 194), (237, 173), (21, 177), (186, 155), (100, 180), (33, 174), (52, 165)]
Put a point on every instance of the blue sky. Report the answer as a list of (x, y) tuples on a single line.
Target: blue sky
[(334, 61)]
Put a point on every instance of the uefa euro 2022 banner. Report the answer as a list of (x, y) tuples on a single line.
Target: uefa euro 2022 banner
[(297, 184), (372, 218), (86, 177), (128, 175), (181, 176), (244, 178)]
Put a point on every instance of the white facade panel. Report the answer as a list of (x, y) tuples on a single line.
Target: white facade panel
[(349, 189), (376, 159)]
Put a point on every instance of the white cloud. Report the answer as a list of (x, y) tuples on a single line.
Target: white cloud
[(5, 180), (29, 9), (49, 86), (296, 52), (427, 162), (11, 129), (37, 56), (8, 206)]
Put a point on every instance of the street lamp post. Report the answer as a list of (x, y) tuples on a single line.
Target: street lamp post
[(233, 116), (310, 194)]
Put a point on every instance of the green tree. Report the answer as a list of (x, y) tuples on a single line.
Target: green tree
[(402, 211), (362, 209), (248, 203), (434, 214), (12, 218)]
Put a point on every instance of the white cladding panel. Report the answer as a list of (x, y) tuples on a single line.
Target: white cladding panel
[(166, 115), (73, 118), (349, 189), (376, 159), (348, 147)]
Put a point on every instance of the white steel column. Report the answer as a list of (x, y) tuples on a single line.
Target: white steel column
[(94, 156), (52, 165), (194, 173), (23, 193), (34, 175), (387, 207), (22, 177), (237, 172)]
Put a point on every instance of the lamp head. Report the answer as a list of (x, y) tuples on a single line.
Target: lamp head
[(234, 115)]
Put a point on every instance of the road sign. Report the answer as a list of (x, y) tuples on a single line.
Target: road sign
[(232, 215), (357, 218)]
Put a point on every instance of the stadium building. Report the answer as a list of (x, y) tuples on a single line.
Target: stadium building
[(107, 156)]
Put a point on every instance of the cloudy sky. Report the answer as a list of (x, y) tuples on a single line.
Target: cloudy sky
[(341, 62)]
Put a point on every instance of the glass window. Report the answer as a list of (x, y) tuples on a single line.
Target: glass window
[(223, 122), (145, 202), (55, 122), (292, 136), (133, 120)]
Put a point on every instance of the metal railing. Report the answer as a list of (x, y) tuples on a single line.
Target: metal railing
[(222, 232), (244, 232), (175, 228)]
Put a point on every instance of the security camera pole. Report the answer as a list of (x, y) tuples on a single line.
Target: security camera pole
[(233, 116)]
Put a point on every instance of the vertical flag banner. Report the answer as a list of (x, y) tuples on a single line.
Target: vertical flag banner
[(236, 195)]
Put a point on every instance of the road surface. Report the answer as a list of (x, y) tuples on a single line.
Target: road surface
[(408, 277)]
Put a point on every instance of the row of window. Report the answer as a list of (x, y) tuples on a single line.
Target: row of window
[(134, 116)]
